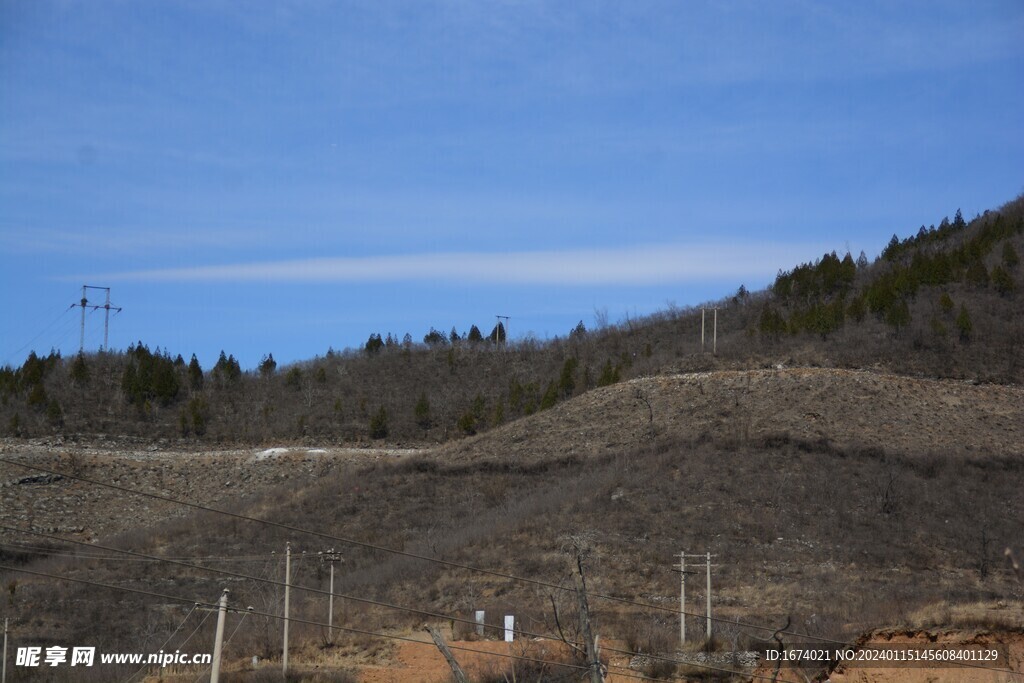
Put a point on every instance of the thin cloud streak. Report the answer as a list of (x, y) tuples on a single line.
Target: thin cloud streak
[(642, 265)]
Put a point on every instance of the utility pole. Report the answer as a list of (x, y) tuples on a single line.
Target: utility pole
[(3, 676), (589, 640), (107, 307), (714, 346), (218, 643), (682, 598), (457, 672), (332, 557), (682, 592), (287, 595), (709, 578)]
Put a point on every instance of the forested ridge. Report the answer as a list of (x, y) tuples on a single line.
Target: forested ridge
[(944, 301)]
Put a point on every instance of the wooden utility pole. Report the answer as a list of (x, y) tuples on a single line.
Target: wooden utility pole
[(3, 675), (589, 640), (682, 598), (457, 672), (218, 643), (287, 596)]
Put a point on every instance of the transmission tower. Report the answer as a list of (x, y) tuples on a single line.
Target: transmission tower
[(501, 330), (106, 306)]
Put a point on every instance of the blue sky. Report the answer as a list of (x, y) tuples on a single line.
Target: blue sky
[(292, 175)]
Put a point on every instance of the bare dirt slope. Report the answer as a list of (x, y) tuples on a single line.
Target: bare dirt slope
[(64, 506), (857, 408), (842, 408)]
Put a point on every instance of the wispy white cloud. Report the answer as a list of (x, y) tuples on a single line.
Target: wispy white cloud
[(640, 265)]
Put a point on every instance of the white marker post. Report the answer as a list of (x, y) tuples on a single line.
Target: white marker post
[(479, 615), (510, 625)]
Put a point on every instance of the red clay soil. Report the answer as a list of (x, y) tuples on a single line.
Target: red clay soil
[(423, 663)]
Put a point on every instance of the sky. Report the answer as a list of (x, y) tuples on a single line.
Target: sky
[(291, 176)]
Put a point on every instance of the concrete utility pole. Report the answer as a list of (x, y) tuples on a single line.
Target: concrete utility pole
[(709, 585), (218, 643), (714, 346), (682, 592), (287, 596), (332, 557), (702, 330)]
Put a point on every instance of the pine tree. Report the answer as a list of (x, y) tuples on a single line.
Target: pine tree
[(268, 365), (1002, 281), (79, 371), (195, 374), (964, 325), (422, 411), (379, 424), (898, 315)]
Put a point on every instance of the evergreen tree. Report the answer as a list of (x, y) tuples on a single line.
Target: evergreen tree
[(379, 424), (567, 379), (268, 365), (434, 338), (898, 315), (964, 325), (422, 411), (474, 335), (374, 344), (195, 374), (550, 397), (1010, 258), (1002, 281), (79, 371), (610, 374)]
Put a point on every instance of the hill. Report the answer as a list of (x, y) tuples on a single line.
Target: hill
[(946, 302), (852, 457)]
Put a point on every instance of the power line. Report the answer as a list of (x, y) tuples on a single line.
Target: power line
[(405, 553), (173, 633), (50, 552), (317, 623), (378, 603), (413, 610)]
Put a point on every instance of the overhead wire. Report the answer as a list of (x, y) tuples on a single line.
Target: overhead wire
[(51, 552), (700, 665), (411, 555), (39, 334), (309, 622), (413, 610), (369, 601), (225, 646), (173, 633)]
